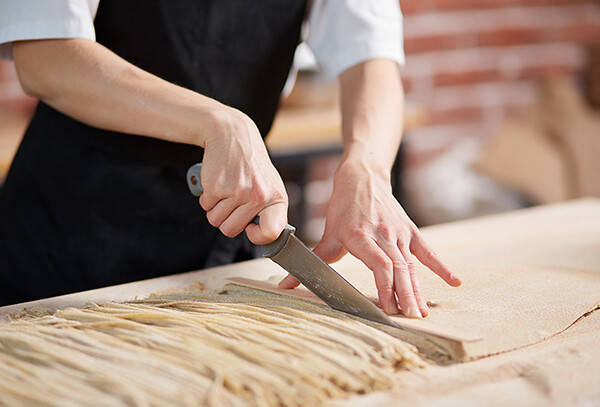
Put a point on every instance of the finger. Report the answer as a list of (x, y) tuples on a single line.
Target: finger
[(429, 258), (402, 281), (221, 211), (423, 307), (404, 291), (273, 220), (330, 249), (377, 261), (289, 282), (208, 201), (237, 220), (408, 257)]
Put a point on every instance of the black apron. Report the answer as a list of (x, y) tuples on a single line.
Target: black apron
[(83, 208)]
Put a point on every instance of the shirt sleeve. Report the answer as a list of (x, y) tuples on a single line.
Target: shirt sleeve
[(343, 33), (44, 19)]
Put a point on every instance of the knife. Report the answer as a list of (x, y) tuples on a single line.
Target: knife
[(316, 275)]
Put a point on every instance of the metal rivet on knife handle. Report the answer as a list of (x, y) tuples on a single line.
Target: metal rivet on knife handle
[(194, 179)]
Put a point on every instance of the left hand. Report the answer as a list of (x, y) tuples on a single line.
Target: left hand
[(365, 219)]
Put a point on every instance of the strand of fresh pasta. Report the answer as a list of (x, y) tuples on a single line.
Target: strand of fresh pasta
[(239, 349)]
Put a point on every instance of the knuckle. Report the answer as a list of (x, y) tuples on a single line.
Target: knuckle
[(213, 219), (204, 205), (357, 233), (279, 196), (240, 193), (405, 239), (219, 188), (406, 297), (386, 291), (206, 197), (400, 266), (227, 230), (385, 230), (414, 230), (430, 254), (258, 195), (385, 287), (384, 263)]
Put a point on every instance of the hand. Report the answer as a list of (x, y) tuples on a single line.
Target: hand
[(366, 220), (240, 181)]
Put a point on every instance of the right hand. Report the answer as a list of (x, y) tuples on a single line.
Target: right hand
[(239, 180), (91, 84)]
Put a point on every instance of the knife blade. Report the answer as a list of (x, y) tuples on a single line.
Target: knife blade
[(317, 276)]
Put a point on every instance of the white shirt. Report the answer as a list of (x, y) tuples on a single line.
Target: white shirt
[(341, 33)]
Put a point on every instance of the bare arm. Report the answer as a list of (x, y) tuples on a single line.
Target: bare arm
[(89, 83), (363, 216)]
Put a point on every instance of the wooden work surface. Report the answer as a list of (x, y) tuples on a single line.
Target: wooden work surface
[(561, 369)]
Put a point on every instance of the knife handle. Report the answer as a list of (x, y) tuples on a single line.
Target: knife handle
[(194, 182)]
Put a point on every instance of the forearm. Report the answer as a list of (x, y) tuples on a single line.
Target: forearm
[(89, 83), (372, 102), (363, 217)]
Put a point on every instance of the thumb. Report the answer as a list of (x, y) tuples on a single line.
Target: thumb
[(330, 249), (272, 222)]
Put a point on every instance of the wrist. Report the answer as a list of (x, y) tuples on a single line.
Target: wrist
[(216, 123), (229, 130), (362, 164), (362, 158)]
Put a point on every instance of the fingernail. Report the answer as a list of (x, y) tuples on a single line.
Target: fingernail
[(392, 309), (413, 312)]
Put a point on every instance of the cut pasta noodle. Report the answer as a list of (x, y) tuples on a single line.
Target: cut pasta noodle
[(241, 348)]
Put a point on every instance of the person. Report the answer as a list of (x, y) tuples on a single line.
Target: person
[(132, 93)]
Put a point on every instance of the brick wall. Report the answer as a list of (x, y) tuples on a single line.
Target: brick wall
[(471, 63)]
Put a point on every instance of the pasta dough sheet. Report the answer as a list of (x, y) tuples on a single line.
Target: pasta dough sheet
[(527, 275), (240, 348)]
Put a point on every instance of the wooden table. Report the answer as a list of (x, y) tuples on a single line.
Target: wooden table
[(562, 370)]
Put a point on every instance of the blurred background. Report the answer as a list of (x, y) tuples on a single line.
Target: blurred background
[(502, 112)]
